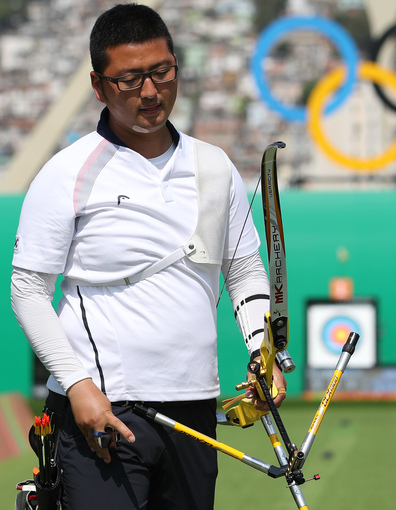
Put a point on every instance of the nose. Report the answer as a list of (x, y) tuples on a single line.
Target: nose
[(148, 88)]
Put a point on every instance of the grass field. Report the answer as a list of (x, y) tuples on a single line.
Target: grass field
[(354, 452)]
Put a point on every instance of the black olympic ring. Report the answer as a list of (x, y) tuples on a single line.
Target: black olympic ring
[(376, 46)]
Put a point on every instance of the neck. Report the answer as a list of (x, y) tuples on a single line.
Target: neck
[(150, 144)]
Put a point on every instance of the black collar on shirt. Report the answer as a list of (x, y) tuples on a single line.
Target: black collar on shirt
[(104, 130)]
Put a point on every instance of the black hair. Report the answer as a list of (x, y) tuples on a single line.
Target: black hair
[(125, 24)]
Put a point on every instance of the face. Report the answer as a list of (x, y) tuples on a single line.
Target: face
[(145, 109)]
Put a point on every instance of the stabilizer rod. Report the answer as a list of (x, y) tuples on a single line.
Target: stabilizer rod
[(268, 469)]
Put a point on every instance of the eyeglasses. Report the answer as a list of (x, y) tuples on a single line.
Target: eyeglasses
[(135, 81)]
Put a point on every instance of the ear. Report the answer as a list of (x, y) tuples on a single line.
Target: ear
[(97, 86)]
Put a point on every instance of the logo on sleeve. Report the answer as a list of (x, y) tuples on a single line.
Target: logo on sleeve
[(17, 244)]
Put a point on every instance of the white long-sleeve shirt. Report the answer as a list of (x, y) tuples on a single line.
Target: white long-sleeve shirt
[(133, 214)]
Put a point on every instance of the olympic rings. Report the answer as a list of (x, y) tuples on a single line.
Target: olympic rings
[(339, 37), (330, 83), (316, 100), (376, 47)]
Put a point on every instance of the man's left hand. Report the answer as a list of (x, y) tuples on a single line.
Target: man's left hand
[(280, 383)]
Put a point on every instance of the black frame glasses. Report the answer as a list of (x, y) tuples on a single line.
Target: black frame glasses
[(135, 76)]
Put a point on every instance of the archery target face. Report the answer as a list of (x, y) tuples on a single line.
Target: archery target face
[(328, 328)]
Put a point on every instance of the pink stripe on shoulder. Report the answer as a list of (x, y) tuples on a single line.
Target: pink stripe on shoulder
[(84, 170)]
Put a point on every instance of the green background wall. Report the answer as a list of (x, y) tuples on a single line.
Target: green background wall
[(318, 228), (15, 359)]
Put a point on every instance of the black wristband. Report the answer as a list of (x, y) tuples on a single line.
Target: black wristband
[(255, 354)]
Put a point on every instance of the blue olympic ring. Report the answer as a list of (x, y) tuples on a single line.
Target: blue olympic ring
[(334, 32)]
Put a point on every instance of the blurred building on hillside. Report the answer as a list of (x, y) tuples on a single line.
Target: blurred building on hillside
[(218, 100)]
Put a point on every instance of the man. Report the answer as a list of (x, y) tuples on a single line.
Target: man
[(139, 218)]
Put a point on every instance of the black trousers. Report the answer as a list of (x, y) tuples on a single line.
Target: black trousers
[(162, 470)]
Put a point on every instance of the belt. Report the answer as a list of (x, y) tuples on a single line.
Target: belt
[(156, 405), (58, 403)]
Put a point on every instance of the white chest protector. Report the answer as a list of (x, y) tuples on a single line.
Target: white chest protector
[(213, 175)]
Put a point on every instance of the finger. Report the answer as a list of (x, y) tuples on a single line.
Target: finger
[(102, 450), (98, 446), (251, 393), (260, 405), (119, 426), (106, 439), (95, 448), (280, 397), (91, 440), (102, 444), (103, 453)]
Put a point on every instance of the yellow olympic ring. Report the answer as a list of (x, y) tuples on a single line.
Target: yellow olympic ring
[(315, 107)]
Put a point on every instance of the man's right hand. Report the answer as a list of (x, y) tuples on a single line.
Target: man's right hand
[(92, 411)]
